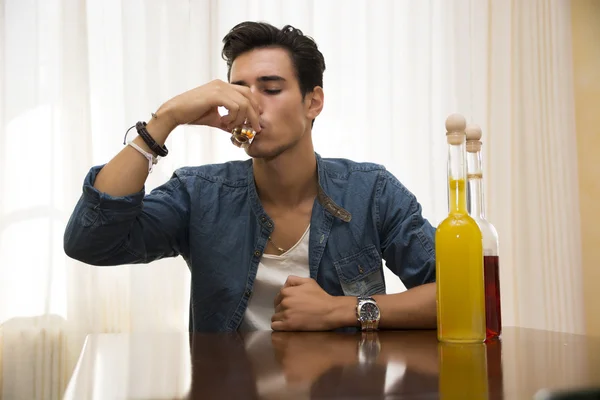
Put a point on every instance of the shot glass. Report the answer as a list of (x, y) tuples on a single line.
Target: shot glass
[(242, 134)]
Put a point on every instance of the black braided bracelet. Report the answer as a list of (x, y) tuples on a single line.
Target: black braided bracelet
[(143, 132)]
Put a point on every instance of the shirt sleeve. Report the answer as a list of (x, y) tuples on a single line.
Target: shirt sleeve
[(407, 239), (139, 228)]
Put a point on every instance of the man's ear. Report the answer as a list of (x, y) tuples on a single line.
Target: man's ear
[(314, 102)]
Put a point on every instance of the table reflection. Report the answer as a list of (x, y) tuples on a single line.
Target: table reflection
[(343, 365), (273, 365), (276, 365)]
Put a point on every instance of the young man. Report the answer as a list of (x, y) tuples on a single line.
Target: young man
[(286, 240)]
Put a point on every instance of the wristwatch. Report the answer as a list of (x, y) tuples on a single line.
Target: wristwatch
[(367, 313)]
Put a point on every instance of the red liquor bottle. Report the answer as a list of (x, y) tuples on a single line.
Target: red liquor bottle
[(491, 260)]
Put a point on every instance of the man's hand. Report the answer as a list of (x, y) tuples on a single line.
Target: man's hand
[(302, 305), (199, 106)]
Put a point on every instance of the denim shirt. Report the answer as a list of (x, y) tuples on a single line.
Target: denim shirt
[(212, 216)]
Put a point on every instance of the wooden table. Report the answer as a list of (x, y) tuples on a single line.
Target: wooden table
[(277, 365)]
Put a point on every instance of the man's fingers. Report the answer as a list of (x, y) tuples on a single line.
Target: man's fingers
[(233, 109), (246, 109), (239, 111), (278, 299), (280, 321), (279, 308), (290, 282), (282, 294), (254, 110), (293, 280), (278, 316), (278, 326)]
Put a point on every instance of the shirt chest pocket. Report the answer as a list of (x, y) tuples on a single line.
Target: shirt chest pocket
[(361, 274)]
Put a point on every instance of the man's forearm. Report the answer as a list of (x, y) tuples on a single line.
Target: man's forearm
[(412, 309), (127, 172)]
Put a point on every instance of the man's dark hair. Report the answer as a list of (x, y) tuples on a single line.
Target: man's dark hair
[(306, 58)]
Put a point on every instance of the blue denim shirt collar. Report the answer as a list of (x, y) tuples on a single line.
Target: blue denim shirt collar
[(323, 197)]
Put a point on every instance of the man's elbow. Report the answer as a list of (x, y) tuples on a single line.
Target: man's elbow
[(81, 247), (76, 249)]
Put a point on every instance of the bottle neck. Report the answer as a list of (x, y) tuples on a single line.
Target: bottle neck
[(475, 179), (457, 177)]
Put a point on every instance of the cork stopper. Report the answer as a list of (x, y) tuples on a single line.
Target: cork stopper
[(455, 129), (473, 132)]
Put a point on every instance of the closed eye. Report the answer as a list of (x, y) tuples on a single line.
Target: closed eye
[(272, 91)]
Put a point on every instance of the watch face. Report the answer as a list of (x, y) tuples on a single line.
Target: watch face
[(369, 312)]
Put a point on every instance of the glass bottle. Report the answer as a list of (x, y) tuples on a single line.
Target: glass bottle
[(459, 253), (491, 260)]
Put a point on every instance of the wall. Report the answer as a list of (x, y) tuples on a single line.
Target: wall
[(585, 16)]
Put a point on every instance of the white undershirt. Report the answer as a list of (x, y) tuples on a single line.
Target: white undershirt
[(272, 273)]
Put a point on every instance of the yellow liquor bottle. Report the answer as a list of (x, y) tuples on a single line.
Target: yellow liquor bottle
[(459, 253)]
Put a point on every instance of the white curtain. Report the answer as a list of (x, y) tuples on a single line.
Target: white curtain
[(75, 74)]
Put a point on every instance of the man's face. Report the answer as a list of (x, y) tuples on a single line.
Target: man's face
[(286, 117)]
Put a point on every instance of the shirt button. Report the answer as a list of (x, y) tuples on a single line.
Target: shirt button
[(270, 225), (263, 218), (248, 293), (257, 253), (360, 269)]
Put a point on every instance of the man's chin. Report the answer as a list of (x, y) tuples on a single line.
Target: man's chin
[(255, 151)]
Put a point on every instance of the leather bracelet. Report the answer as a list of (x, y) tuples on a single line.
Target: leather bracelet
[(150, 142)]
